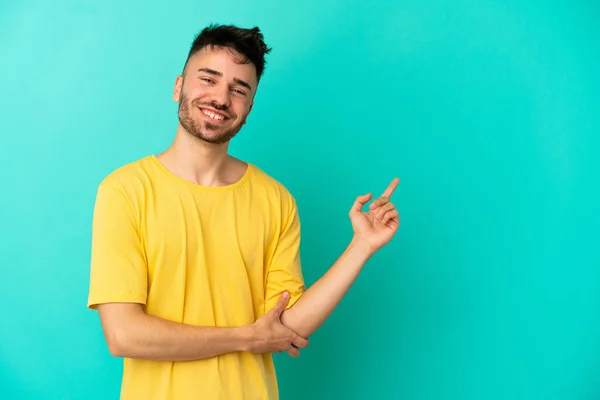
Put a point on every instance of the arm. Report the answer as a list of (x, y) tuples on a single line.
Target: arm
[(372, 230), (132, 333), (319, 301), (118, 289)]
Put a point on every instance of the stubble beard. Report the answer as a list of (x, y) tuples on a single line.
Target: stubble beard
[(200, 129)]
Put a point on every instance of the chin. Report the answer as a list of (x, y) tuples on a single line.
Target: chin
[(213, 139)]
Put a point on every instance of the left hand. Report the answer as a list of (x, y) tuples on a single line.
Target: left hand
[(377, 226)]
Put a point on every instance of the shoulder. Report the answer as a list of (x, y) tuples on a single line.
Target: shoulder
[(130, 181), (274, 194), (130, 175), (272, 185)]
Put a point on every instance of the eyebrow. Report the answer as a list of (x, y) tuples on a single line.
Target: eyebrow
[(218, 73)]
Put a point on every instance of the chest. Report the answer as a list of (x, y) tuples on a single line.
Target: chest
[(225, 235)]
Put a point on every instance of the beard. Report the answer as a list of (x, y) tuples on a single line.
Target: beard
[(202, 129)]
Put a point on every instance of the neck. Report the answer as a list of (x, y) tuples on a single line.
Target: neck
[(196, 161)]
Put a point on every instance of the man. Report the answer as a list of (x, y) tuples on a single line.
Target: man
[(195, 268)]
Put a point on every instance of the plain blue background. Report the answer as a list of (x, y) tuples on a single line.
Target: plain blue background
[(488, 111)]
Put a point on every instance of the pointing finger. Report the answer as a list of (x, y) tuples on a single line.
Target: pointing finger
[(390, 189)]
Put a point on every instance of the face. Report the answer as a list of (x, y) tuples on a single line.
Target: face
[(215, 94)]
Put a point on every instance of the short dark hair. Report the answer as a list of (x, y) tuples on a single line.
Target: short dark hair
[(247, 42)]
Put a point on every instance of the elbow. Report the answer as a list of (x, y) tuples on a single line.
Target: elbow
[(115, 351), (118, 322), (293, 322), (116, 342)]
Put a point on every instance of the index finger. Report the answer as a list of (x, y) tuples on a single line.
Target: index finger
[(390, 189)]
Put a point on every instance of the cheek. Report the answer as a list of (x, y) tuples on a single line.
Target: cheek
[(242, 108), (194, 92)]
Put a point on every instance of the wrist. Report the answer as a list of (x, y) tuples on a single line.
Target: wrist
[(361, 247), (246, 338)]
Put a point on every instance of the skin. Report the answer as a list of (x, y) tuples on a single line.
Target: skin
[(215, 81)]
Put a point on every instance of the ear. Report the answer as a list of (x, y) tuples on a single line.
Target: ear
[(177, 88)]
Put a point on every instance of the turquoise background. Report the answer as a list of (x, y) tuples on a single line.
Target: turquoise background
[(488, 111)]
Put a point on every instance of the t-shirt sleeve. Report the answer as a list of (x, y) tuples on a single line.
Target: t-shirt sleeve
[(118, 271), (284, 272)]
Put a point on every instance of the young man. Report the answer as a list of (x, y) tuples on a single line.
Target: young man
[(195, 266)]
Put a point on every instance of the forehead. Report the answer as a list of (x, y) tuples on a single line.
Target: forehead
[(224, 60)]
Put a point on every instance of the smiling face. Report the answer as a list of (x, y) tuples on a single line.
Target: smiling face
[(215, 94)]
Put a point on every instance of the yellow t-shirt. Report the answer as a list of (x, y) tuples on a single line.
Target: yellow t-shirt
[(204, 256)]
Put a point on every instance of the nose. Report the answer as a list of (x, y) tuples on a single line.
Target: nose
[(221, 97)]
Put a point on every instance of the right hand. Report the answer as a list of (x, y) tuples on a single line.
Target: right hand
[(269, 335)]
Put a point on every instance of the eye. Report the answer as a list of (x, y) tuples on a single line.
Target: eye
[(207, 80), (240, 92)]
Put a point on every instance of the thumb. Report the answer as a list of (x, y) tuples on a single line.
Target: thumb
[(281, 304), (360, 202)]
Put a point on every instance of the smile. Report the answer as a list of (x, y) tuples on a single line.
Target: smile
[(213, 115)]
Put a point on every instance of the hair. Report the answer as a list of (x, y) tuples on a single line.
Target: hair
[(249, 43)]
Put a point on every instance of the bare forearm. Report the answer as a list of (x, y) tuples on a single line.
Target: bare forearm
[(144, 336), (319, 301)]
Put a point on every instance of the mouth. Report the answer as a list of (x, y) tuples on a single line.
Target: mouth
[(214, 116)]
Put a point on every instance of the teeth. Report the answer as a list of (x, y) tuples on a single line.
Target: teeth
[(213, 115)]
